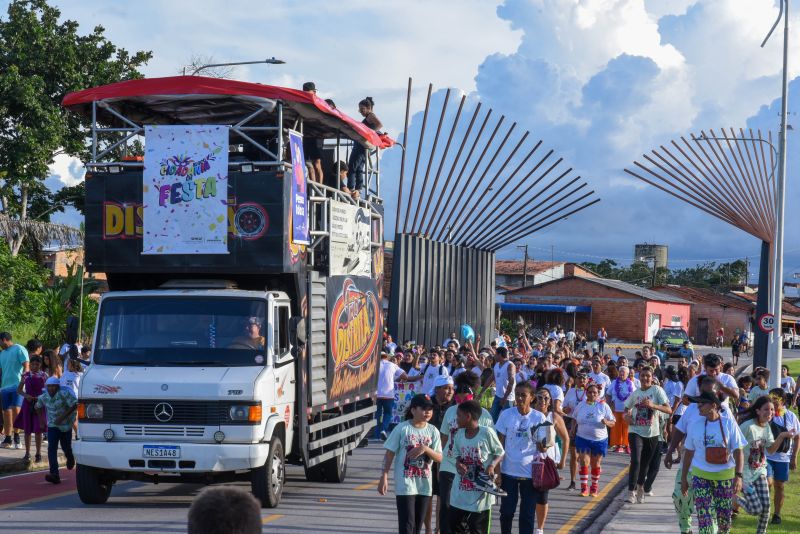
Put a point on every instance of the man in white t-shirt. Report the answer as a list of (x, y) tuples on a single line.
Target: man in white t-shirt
[(451, 339), (727, 386), (430, 371), (388, 373), (504, 379), (780, 463)]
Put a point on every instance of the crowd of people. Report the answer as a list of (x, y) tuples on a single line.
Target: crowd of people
[(39, 397), (472, 431)]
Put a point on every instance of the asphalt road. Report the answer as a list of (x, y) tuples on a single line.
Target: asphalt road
[(31, 505)]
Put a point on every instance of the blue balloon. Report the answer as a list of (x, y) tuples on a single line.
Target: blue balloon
[(467, 333)]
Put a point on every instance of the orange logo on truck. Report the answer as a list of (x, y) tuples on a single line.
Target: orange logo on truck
[(354, 321)]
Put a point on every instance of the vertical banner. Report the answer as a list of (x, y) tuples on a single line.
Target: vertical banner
[(349, 241), (185, 190), (299, 190)]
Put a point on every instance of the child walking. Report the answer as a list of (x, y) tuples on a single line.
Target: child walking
[(28, 420), (60, 406), (479, 453), (411, 448)]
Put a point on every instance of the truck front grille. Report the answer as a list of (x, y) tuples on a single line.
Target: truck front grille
[(164, 431), (183, 413)]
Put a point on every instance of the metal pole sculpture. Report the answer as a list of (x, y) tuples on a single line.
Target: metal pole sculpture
[(727, 176)]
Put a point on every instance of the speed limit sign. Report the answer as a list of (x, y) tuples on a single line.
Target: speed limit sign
[(767, 322)]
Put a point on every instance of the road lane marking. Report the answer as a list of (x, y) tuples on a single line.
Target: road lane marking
[(368, 485), (33, 500), (271, 518), (589, 506)]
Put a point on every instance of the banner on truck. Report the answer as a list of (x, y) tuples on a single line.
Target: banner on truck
[(185, 190), (299, 214), (354, 332), (350, 239)]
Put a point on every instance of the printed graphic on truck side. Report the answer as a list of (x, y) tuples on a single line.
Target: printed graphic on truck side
[(355, 327)]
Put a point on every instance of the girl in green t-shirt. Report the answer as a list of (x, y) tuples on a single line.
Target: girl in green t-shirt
[(760, 441), (411, 448)]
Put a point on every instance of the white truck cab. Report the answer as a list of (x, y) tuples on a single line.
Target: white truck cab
[(191, 384)]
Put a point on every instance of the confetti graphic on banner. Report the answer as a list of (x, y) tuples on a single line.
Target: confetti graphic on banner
[(185, 189)]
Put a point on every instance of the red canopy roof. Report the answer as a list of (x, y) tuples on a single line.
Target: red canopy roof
[(145, 101)]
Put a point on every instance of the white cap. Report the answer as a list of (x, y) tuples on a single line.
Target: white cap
[(442, 381)]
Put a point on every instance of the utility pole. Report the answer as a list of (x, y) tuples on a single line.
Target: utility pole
[(775, 348), (524, 266)]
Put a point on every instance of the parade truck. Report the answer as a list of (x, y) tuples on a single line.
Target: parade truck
[(242, 325)]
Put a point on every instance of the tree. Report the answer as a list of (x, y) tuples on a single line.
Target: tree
[(41, 60)]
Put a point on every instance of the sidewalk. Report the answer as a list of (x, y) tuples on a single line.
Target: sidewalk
[(656, 514), (11, 460)]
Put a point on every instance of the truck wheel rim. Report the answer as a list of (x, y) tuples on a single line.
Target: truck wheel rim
[(276, 474)]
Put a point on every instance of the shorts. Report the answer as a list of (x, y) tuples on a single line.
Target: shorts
[(312, 148), (9, 398), (435, 475), (778, 470), (595, 448)]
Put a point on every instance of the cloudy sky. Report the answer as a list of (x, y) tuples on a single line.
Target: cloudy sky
[(599, 81)]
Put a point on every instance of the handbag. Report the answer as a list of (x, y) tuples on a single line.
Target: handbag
[(544, 474), (716, 455), (776, 430)]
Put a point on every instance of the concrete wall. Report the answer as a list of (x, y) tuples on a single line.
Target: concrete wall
[(667, 310)]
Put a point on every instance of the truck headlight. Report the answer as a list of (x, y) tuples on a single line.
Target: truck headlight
[(245, 413), (94, 411)]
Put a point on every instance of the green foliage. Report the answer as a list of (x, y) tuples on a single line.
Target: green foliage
[(707, 275), (507, 327), (41, 60), (21, 277), (62, 300)]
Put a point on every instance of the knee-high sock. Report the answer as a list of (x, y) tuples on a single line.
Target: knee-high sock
[(596, 478), (583, 473)]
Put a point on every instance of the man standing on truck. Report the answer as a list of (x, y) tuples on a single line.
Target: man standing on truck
[(253, 338)]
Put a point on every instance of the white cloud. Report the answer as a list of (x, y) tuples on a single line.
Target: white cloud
[(67, 170)]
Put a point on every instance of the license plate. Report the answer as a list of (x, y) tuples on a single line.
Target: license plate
[(161, 451)]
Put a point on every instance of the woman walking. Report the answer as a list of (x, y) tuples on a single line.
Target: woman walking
[(591, 440), (411, 448), (757, 432), (713, 453), (644, 429), (619, 391), (542, 403)]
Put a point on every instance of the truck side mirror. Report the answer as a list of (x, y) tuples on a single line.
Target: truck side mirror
[(297, 329)]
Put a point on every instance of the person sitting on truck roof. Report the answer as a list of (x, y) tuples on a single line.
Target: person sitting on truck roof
[(312, 146), (253, 339), (358, 156)]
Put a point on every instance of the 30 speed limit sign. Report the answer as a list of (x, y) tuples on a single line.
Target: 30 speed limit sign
[(767, 322)]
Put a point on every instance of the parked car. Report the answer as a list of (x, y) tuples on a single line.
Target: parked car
[(791, 339), (670, 340)]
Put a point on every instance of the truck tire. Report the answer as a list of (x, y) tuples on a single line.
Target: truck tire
[(266, 482), (92, 487), (333, 470)]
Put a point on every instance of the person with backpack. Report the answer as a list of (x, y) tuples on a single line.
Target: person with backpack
[(516, 429), (784, 459), (431, 371), (760, 440)]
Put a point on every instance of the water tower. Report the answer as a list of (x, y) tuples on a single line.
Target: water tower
[(659, 252)]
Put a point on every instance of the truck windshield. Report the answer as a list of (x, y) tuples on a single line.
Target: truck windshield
[(673, 333), (181, 331)]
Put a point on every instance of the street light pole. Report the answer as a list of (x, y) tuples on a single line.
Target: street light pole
[(524, 266), (270, 61), (775, 349)]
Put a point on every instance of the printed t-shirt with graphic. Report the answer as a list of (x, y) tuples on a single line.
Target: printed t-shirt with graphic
[(619, 391), (71, 381), (788, 384), (759, 439), (590, 420), (57, 405), (12, 361), (386, 375), (476, 453), (449, 428), (791, 422), (645, 422), (520, 448), (412, 477), (705, 434)]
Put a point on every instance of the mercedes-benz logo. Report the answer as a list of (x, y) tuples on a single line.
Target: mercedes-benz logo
[(163, 412)]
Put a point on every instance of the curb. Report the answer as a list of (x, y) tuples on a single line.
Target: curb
[(10, 467)]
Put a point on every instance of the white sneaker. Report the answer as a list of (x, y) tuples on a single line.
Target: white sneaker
[(632, 497), (650, 493), (539, 531), (640, 495)]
